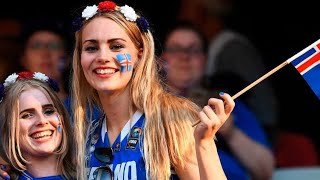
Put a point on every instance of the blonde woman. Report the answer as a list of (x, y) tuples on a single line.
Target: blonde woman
[(145, 132), (36, 135)]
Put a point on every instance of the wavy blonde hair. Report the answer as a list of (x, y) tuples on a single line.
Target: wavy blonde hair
[(168, 132), (10, 149)]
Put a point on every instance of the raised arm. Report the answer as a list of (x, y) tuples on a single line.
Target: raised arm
[(212, 118)]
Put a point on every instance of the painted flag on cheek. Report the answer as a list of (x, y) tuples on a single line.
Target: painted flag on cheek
[(125, 62), (307, 64)]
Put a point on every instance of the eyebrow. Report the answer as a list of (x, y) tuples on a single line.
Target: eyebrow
[(32, 109), (110, 40)]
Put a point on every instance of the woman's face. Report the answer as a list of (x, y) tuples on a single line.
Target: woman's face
[(185, 59), (45, 52), (108, 55), (39, 123)]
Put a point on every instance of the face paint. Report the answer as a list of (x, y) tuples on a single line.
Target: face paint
[(59, 129), (125, 62), (59, 125), (58, 118)]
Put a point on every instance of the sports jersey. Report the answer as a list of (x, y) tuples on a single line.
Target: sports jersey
[(127, 162), (127, 159)]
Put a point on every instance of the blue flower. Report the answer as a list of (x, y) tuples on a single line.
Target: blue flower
[(143, 24), (1, 92), (53, 84), (77, 23)]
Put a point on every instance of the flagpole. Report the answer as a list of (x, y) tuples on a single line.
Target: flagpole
[(255, 83)]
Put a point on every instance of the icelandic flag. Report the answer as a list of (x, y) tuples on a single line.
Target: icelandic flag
[(125, 62), (307, 64)]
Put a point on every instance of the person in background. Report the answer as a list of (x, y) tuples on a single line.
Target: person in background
[(230, 50), (243, 146), (36, 134), (145, 132), (184, 57), (45, 49)]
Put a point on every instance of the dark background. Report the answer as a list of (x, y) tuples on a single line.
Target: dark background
[(279, 29)]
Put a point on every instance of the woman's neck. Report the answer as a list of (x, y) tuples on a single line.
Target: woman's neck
[(116, 108), (44, 166)]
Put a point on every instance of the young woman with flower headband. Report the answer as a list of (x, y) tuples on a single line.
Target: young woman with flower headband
[(145, 132), (36, 134)]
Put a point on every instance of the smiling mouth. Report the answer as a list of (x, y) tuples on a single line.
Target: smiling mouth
[(106, 71), (42, 134)]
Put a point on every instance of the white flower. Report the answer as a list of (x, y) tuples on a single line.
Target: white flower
[(40, 76), (10, 79), (128, 12), (89, 11)]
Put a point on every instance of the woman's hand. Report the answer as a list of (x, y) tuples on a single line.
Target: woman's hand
[(213, 116), (4, 169)]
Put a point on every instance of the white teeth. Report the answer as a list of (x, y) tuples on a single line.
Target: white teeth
[(105, 71), (41, 134)]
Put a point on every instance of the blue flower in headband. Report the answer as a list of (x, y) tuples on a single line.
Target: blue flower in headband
[(1, 92), (53, 84), (143, 24), (77, 23)]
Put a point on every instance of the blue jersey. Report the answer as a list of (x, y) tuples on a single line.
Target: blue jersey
[(25, 175), (127, 162)]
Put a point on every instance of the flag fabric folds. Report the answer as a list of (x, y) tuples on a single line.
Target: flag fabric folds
[(307, 64)]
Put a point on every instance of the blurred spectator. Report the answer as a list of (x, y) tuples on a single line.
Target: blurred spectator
[(243, 146), (185, 57), (231, 51), (9, 46), (45, 50)]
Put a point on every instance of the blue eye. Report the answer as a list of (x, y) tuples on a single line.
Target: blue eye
[(91, 49), (49, 111), (116, 47), (26, 116)]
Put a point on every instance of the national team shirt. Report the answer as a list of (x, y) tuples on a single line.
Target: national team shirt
[(128, 162), (25, 175)]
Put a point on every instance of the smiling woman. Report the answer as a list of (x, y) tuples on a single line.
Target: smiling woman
[(145, 132), (35, 129)]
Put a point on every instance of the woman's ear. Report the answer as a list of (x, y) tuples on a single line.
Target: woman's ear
[(140, 52)]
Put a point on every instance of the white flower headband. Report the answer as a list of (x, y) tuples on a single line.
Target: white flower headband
[(27, 75), (108, 6)]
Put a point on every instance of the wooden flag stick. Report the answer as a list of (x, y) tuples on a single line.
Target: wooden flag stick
[(254, 83)]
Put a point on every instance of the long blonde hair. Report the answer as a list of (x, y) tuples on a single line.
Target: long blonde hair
[(168, 132), (10, 149)]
